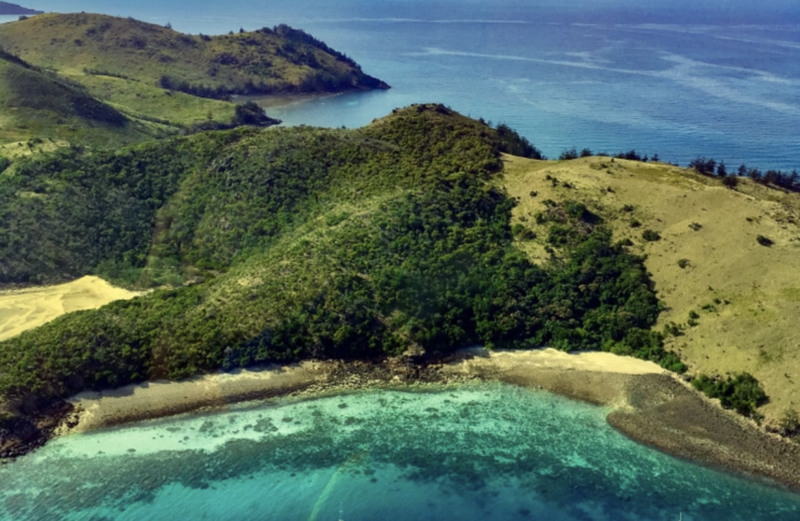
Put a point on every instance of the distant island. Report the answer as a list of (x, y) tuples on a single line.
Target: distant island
[(118, 81), (6, 9)]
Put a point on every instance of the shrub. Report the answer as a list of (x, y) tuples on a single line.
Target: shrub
[(568, 154), (650, 235), (673, 329), (731, 181), (764, 241), (512, 143), (683, 263), (789, 424), (695, 226), (742, 392)]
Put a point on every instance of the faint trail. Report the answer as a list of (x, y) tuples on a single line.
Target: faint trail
[(326, 492)]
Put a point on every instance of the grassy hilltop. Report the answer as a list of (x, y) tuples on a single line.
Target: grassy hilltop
[(302, 243), (730, 297), (158, 74), (42, 111)]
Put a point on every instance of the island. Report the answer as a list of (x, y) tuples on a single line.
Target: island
[(122, 81), (12, 9), (375, 256)]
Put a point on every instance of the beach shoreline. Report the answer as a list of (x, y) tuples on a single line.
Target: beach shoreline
[(645, 402)]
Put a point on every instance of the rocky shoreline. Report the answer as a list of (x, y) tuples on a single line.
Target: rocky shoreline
[(647, 405)]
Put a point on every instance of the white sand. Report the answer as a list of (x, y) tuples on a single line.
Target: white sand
[(596, 362), (25, 309), (158, 399)]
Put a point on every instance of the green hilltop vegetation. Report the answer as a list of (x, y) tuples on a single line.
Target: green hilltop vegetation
[(161, 76), (289, 244), (41, 109)]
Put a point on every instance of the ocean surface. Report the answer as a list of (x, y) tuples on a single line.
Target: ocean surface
[(474, 452), (678, 79)]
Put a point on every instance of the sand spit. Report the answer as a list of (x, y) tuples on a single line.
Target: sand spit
[(645, 402), (21, 310)]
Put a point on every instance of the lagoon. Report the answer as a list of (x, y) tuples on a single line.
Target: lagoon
[(475, 451)]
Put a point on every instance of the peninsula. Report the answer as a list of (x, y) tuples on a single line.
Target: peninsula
[(161, 82), (12, 9)]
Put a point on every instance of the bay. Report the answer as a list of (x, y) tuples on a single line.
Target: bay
[(717, 79), (480, 451)]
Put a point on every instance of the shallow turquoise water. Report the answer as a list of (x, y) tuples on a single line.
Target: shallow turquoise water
[(485, 451)]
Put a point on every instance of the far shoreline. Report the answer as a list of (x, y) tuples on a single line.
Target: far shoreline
[(646, 403)]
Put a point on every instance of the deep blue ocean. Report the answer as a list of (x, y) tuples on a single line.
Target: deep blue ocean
[(679, 79)]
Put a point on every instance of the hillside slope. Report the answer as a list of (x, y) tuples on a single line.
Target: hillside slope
[(132, 64), (44, 106), (707, 261), (300, 243)]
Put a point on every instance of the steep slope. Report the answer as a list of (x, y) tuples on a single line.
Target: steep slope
[(708, 260), (46, 107), (131, 63), (301, 243)]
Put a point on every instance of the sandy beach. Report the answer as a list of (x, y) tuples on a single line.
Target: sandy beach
[(644, 402), (21, 310), (157, 399)]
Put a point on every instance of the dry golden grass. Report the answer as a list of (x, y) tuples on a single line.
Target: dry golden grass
[(751, 292), (21, 310)]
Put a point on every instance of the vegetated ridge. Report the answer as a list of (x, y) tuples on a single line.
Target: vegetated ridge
[(299, 243), (10, 9), (162, 75)]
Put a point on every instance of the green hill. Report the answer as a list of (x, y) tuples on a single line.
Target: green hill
[(729, 297), (301, 243), (147, 70), (42, 109)]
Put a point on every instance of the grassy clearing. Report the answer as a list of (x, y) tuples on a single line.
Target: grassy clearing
[(153, 104), (41, 109), (745, 294)]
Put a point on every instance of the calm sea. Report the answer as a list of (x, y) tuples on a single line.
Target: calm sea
[(485, 452), (677, 79)]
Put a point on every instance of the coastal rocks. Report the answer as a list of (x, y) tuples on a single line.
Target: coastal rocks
[(21, 435), (675, 419)]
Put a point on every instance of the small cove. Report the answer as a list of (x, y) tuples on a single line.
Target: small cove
[(473, 451)]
